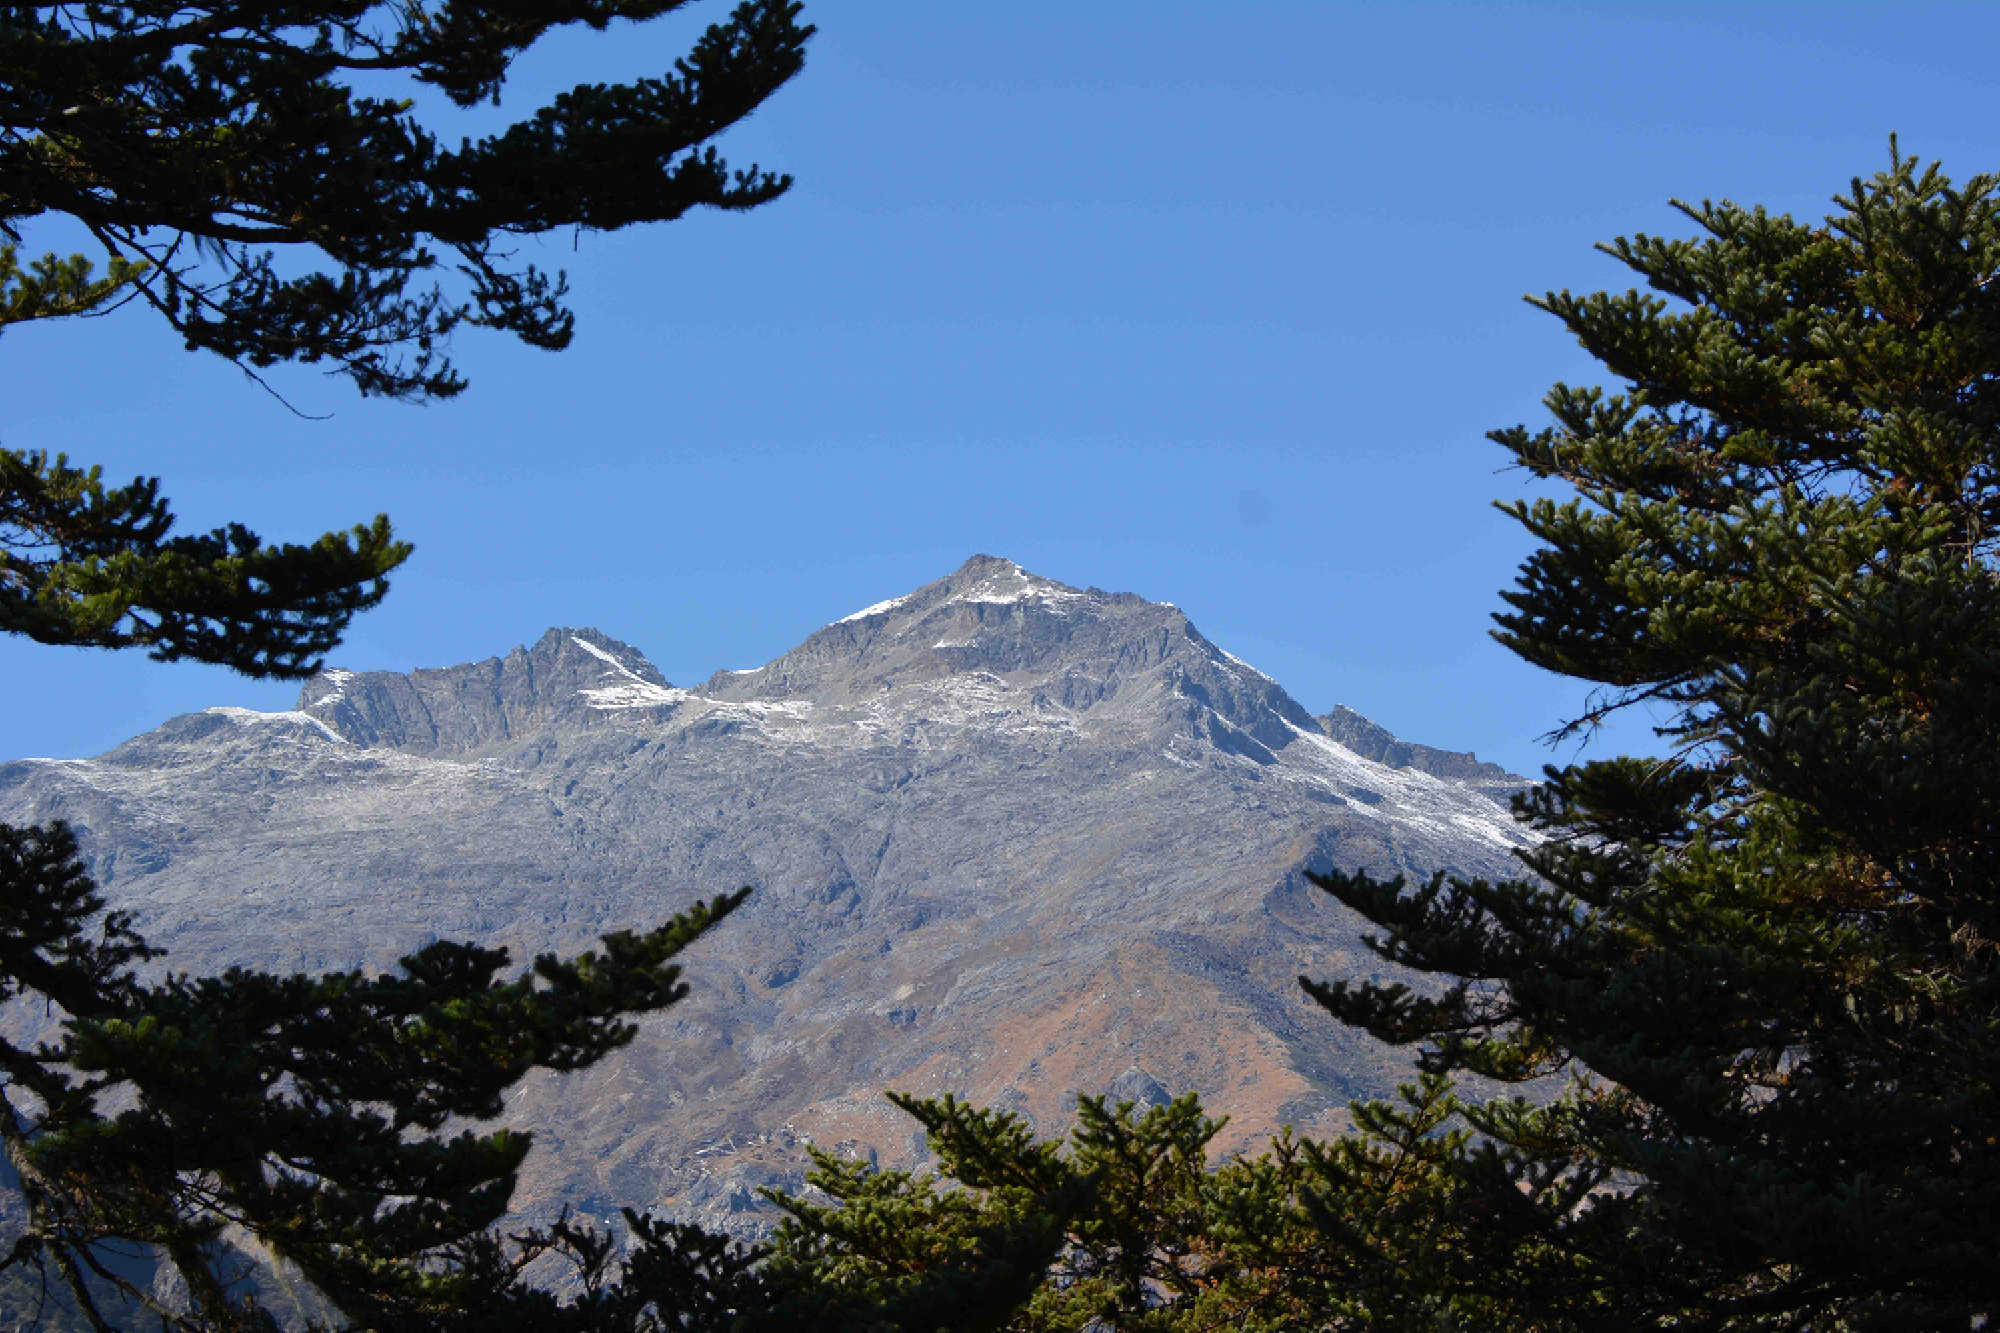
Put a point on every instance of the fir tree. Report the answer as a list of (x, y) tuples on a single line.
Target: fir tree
[(310, 1113), (213, 150), (326, 1118), (1126, 1228), (1767, 962), (94, 566), (322, 1117)]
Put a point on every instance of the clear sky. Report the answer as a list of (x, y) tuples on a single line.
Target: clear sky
[(1214, 303)]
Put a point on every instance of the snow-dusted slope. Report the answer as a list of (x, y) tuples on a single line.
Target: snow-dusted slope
[(1010, 837)]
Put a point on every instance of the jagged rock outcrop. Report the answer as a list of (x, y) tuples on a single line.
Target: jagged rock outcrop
[(1370, 741)]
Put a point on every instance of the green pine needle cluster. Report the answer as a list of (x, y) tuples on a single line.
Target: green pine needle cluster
[(196, 143), (56, 286), (310, 1143), (323, 1115), (1767, 963), (93, 566), (1127, 1225)]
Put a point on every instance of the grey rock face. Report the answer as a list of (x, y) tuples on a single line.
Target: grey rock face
[(461, 709), (1370, 741), (1010, 838)]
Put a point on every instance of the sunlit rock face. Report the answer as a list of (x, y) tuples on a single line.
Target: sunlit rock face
[(1009, 838)]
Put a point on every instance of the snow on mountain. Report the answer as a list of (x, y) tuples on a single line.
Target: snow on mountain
[(1009, 838), (878, 609), (627, 689), (251, 717)]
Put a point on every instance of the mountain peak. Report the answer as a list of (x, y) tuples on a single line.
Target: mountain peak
[(990, 649), (988, 616), (478, 704), (984, 578), (1009, 836)]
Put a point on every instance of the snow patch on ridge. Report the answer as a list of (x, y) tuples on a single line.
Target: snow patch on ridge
[(1000, 588), (337, 678), (632, 691), (878, 609), (1410, 795), (1233, 658), (603, 656), (245, 717), (1018, 585)]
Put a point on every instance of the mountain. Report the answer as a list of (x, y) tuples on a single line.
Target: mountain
[(1010, 838)]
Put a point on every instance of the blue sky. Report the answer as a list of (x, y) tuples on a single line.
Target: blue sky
[(1213, 303)]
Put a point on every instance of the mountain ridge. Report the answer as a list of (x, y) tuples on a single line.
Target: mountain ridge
[(473, 706), (1010, 838)]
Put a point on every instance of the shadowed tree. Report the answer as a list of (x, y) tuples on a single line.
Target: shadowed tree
[(308, 1112), (1126, 1228), (236, 183), (196, 144), (1768, 960)]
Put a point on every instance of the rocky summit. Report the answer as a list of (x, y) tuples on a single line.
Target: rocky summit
[(1009, 838)]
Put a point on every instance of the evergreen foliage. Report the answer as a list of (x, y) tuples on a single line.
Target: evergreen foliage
[(1767, 963), (314, 1114), (327, 1122), (91, 566), (1125, 1227), (195, 143)]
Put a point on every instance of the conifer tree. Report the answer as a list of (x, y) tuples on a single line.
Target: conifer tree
[(1767, 962), (209, 150), (1026, 1236), (216, 151), (92, 566), (309, 1112), (1126, 1228)]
